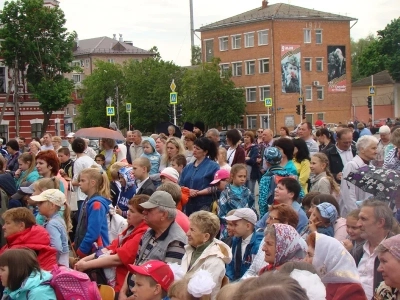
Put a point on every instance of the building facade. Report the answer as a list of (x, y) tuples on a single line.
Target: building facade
[(386, 100), (285, 52), (86, 53)]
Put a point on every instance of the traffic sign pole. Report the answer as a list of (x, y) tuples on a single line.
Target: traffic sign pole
[(268, 118), (372, 102)]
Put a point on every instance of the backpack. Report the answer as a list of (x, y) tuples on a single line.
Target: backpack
[(273, 184), (71, 284)]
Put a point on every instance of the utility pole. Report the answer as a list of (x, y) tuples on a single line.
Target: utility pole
[(16, 104), (191, 29), (117, 100), (372, 103)]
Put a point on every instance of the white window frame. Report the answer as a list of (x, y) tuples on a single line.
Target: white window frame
[(248, 89), (308, 89), (247, 64), (222, 40), (234, 64), (110, 60), (234, 41), (319, 60), (74, 111), (247, 39), (252, 118), (261, 65), (320, 89), (259, 35), (307, 36), (318, 32), (323, 116), (78, 77), (262, 88), (265, 124), (223, 70), (311, 120), (67, 111), (87, 62), (306, 61)]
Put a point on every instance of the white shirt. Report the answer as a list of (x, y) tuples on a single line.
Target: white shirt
[(345, 155), (366, 271), (140, 184), (312, 146), (245, 242), (44, 147), (231, 154), (80, 164), (257, 264)]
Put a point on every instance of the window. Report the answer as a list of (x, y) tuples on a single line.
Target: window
[(76, 78), (264, 65), (111, 60), (320, 63), (3, 81), (209, 53), (265, 92), (67, 111), (251, 94), (263, 37), (87, 61), (318, 36), (250, 67), (223, 43), (76, 63), (224, 69), (4, 131), (307, 35), (307, 64), (309, 118), (74, 111), (320, 116), (236, 41), (249, 39), (237, 69), (308, 93), (251, 122), (36, 129), (320, 93)]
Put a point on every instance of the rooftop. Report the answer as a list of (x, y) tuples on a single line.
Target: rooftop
[(380, 78), (107, 45), (275, 11)]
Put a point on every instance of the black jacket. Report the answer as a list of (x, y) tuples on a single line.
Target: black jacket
[(147, 188), (335, 161)]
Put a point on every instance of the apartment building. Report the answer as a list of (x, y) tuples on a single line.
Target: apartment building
[(285, 52)]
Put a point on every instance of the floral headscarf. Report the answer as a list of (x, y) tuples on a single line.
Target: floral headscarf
[(289, 245), (334, 264), (127, 173), (393, 245)]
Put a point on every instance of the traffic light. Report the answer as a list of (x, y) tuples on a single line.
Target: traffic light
[(171, 113), (369, 103), (241, 119), (304, 110), (298, 109), (370, 111), (179, 111)]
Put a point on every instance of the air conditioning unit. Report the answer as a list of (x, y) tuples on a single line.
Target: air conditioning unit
[(315, 83)]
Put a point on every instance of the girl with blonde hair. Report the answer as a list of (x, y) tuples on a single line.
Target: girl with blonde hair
[(323, 180)]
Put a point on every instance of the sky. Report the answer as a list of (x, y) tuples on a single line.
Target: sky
[(166, 23)]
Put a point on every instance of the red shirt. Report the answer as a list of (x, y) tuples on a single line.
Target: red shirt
[(126, 250), (345, 291)]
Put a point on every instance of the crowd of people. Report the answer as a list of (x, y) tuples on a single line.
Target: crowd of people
[(182, 218)]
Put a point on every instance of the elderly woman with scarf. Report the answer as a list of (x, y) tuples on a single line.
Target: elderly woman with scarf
[(335, 266), (128, 190), (389, 256), (282, 243)]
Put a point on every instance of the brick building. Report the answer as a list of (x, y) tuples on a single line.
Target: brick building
[(85, 55), (285, 52), (386, 101)]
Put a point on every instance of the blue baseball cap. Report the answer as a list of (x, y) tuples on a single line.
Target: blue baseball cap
[(328, 211), (273, 156)]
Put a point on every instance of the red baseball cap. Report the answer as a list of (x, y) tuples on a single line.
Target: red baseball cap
[(158, 270), (319, 123), (220, 175)]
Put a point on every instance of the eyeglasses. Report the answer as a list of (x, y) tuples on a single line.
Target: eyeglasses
[(273, 219)]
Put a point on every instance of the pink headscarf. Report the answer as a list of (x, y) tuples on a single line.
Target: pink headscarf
[(393, 245)]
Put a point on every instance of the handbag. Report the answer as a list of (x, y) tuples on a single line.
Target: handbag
[(72, 198)]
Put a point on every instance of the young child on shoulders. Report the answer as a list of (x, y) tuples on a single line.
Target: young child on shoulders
[(222, 159), (322, 220), (245, 238), (354, 240), (141, 167), (128, 190), (150, 152), (152, 280), (50, 203), (322, 181), (235, 195)]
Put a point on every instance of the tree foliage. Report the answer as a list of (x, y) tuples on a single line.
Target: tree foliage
[(35, 37), (357, 49), (196, 56), (211, 98)]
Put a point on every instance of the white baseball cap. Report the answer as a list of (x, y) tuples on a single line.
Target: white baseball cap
[(243, 214), (55, 196), (70, 135)]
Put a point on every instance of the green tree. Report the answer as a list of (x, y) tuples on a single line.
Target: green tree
[(211, 98), (35, 38), (196, 56), (357, 49), (157, 55), (147, 88), (97, 88), (389, 42)]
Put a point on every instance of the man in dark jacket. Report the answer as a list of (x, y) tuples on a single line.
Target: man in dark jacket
[(341, 154)]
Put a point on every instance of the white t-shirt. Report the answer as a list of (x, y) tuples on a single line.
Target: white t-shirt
[(44, 147), (231, 155), (80, 164)]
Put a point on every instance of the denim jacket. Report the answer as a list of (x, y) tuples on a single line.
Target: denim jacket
[(57, 230)]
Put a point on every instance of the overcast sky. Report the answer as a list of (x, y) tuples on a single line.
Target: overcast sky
[(166, 23)]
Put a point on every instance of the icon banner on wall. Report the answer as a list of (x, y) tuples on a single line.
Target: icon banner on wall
[(290, 68), (337, 78)]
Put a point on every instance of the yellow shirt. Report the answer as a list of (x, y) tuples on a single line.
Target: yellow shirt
[(303, 171)]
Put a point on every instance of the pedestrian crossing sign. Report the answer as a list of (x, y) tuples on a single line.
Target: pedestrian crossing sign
[(128, 107), (268, 102), (372, 91), (173, 98), (110, 111)]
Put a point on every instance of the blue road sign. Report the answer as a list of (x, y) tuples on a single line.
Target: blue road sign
[(173, 98), (110, 111), (268, 102)]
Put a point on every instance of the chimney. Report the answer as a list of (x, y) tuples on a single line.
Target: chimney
[(77, 42), (264, 4), (121, 39), (114, 36)]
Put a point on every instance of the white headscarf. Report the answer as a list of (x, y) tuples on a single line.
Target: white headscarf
[(334, 264)]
